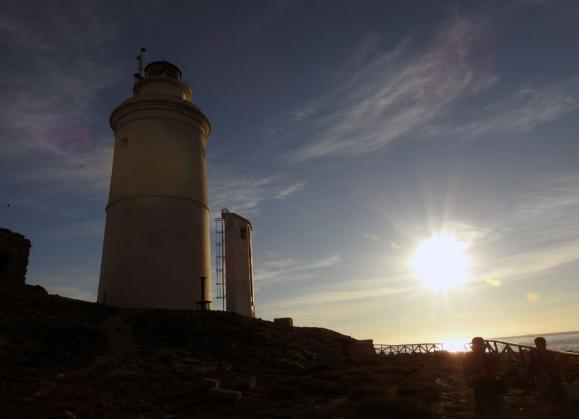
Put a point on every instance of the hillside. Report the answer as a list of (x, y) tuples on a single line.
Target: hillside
[(65, 358)]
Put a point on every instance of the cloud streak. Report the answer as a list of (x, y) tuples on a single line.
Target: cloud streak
[(396, 93), (289, 269), (342, 299), (290, 190), (54, 114), (53, 137), (245, 194), (521, 112), (404, 92), (541, 232)]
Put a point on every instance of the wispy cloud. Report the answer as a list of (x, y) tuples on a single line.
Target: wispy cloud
[(462, 230), (245, 194), (469, 233), (288, 269), (341, 299), (290, 190), (396, 93), (54, 116), (520, 112), (403, 92), (51, 107), (540, 234), (53, 135), (531, 263)]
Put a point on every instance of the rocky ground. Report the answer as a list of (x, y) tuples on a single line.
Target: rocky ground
[(62, 358)]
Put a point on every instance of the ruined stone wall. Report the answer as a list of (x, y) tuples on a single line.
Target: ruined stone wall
[(14, 251)]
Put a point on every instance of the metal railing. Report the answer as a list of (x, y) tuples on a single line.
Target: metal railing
[(412, 348), (515, 350), (511, 350)]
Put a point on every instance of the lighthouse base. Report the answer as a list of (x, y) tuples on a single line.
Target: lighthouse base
[(151, 254)]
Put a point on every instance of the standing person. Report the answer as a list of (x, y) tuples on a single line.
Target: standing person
[(480, 372), (544, 369)]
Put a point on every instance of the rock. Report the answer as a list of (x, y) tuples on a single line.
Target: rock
[(245, 383), (202, 384), (68, 414), (222, 395)]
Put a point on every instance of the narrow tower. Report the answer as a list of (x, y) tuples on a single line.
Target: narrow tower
[(156, 247), (238, 264)]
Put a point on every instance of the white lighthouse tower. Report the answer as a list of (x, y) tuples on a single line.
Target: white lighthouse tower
[(156, 250)]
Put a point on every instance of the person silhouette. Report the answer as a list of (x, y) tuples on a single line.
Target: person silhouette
[(546, 374), (480, 373)]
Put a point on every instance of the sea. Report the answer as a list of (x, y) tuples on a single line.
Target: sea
[(564, 341)]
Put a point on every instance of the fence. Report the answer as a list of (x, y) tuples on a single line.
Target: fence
[(511, 350), (521, 352), (409, 348)]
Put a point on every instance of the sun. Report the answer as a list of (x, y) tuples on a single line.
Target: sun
[(441, 262)]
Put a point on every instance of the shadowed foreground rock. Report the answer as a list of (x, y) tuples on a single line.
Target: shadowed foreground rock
[(64, 358)]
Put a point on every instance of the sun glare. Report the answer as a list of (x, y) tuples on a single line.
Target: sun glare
[(455, 345), (441, 262)]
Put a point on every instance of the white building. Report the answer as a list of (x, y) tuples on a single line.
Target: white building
[(156, 247), (238, 264)]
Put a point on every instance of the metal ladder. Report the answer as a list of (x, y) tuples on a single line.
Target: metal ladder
[(220, 260)]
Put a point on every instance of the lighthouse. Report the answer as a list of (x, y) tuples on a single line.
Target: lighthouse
[(156, 249)]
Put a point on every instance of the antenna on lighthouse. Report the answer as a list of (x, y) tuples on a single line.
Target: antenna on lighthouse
[(139, 74)]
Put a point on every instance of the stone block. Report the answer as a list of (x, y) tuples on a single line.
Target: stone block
[(283, 322)]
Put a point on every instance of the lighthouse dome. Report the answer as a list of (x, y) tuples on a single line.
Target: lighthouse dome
[(162, 69)]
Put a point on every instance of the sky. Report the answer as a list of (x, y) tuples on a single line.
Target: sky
[(347, 131)]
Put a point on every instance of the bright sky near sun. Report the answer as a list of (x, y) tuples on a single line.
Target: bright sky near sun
[(411, 168)]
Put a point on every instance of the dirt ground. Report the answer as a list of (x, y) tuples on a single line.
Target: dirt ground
[(62, 358)]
